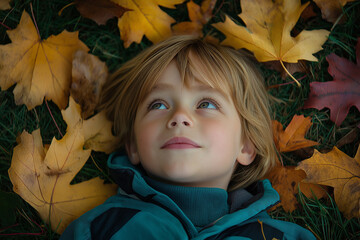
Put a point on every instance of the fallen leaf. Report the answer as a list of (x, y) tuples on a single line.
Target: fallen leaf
[(43, 180), (96, 130), (146, 18), (88, 76), (287, 181), (338, 170), (342, 93), (99, 10), (41, 68), (331, 9), (293, 137), (267, 31), (199, 16), (5, 4)]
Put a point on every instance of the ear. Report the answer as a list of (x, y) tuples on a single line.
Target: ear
[(247, 153), (132, 152)]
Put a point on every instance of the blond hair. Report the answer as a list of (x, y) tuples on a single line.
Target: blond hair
[(222, 68)]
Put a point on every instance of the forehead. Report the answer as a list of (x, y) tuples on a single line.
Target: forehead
[(193, 72)]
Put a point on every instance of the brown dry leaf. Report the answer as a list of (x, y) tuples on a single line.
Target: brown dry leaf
[(338, 170), (286, 181), (99, 10), (267, 31), (96, 130), (146, 18), (199, 16), (43, 178), (308, 12), (5, 4), (293, 137), (331, 9), (292, 68), (88, 76), (41, 68), (348, 138)]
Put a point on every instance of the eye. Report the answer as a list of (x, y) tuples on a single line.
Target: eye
[(156, 105), (208, 104)]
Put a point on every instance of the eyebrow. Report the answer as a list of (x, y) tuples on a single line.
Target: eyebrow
[(199, 87)]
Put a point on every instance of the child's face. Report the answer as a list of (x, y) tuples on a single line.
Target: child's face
[(189, 136)]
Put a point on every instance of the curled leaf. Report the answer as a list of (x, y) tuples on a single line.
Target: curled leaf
[(88, 76)]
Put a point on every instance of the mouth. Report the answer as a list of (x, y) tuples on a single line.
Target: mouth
[(179, 143)]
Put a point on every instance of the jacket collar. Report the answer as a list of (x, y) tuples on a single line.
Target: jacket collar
[(258, 196)]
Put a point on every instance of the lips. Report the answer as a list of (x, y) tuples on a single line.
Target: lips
[(180, 143)]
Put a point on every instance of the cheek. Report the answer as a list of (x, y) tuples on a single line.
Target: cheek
[(145, 137), (225, 136)]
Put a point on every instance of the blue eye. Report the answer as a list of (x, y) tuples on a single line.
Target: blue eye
[(157, 105), (207, 104)]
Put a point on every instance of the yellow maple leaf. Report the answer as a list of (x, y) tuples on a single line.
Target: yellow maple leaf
[(96, 130), (146, 18), (43, 179), (267, 31), (41, 68), (338, 170)]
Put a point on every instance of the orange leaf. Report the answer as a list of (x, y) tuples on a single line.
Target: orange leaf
[(293, 137), (267, 32), (285, 180), (338, 170), (198, 16), (41, 68), (43, 178), (146, 18)]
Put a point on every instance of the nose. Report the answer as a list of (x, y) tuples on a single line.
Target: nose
[(180, 118)]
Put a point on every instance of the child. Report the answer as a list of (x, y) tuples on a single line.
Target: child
[(193, 117)]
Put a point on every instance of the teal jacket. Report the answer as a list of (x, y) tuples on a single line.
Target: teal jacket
[(139, 211)]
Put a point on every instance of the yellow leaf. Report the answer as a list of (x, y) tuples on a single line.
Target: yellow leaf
[(41, 68), (267, 31), (338, 170), (43, 179), (293, 137), (96, 130), (146, 18)]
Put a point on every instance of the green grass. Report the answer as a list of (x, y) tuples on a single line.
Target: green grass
[(321, 216)]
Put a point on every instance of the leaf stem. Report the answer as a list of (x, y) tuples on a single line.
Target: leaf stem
[(66, 6), (297, 82), (283, 84), (33, 16)]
